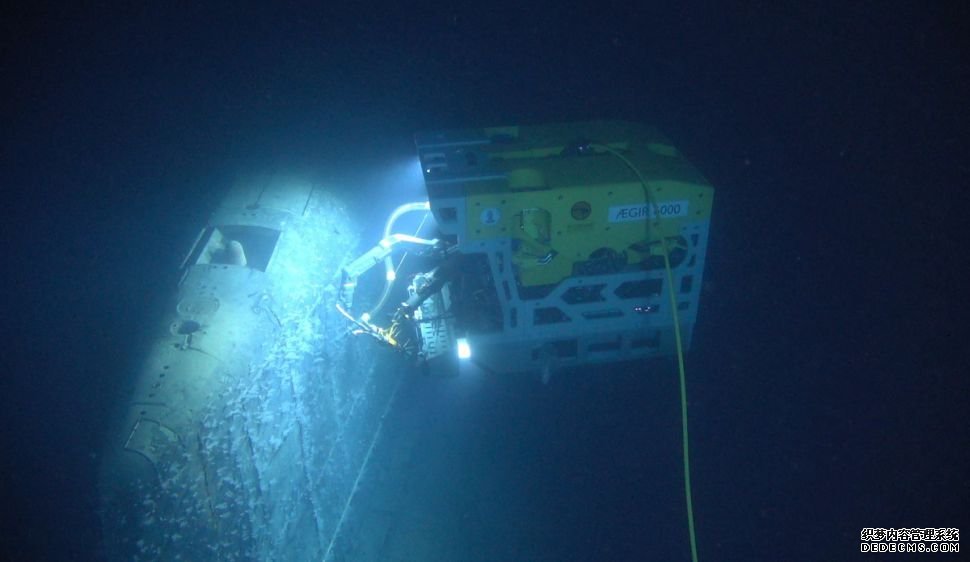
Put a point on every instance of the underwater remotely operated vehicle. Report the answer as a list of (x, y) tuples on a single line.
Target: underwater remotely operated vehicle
[(254, 415), (550, 249)]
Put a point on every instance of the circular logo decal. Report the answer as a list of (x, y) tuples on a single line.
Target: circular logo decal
[(490, 216), (581, 210)]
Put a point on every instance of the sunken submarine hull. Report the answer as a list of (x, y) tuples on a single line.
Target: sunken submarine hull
[(252, 415)]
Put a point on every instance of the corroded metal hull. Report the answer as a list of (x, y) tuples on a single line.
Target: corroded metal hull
[(252, 415)]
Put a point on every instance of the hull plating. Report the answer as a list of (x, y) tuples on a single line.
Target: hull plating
[(252, 415)]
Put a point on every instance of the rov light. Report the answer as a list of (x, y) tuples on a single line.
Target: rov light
[(406, 176), (464, 350), (365, 317), (391, 275)]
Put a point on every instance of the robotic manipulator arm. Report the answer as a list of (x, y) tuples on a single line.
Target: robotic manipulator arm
[(401, 333)]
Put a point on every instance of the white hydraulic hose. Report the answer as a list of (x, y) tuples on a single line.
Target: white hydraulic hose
[(389, 272)]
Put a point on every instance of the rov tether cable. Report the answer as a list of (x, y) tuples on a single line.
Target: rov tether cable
[(677, 337)]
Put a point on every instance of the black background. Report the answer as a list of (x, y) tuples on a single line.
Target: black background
[(828, 377)]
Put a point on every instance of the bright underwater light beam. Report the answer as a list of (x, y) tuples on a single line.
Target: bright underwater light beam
[(464, 350), (404, 177)]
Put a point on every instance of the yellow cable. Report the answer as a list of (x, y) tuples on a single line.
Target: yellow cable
[(680, 347)]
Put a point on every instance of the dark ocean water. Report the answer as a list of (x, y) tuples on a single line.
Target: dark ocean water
[(828, 375)]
